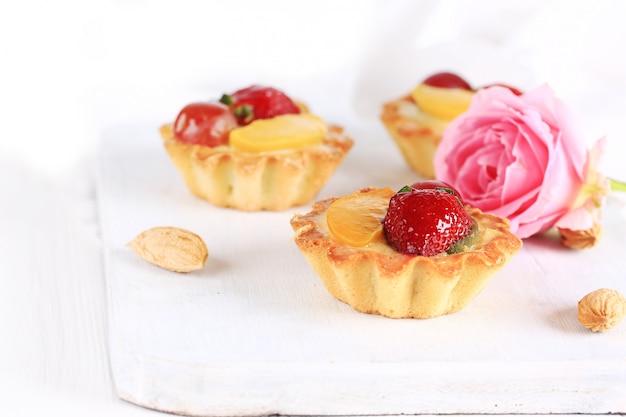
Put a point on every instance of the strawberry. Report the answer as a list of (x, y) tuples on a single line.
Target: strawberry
[(425, 221), (447, 80), (256, 102)]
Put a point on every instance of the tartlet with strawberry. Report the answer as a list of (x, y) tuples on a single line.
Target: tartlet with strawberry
[(417, 120), (255, 149), (415, 253)]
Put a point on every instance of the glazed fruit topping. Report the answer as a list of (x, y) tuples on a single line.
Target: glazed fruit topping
[(257, 102), (280, 124), (357, 219), (206, 124), (444, 95), (426, 221), (287, 131), (447, 80)]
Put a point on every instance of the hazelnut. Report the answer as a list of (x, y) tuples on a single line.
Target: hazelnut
[(601, 309)]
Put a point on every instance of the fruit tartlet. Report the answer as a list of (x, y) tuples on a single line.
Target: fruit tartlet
[(416, 253), (255, 149), (416, 121)]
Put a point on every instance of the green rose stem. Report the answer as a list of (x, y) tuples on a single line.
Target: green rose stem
[(617, 185)]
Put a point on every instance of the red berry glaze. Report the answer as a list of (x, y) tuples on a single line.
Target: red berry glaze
[(204, 124), (257, 102), (447, 80), (425, 222)]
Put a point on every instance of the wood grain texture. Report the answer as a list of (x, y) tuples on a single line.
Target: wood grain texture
[(255, 332)]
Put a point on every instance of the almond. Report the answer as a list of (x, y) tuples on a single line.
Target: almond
[(171, 248)]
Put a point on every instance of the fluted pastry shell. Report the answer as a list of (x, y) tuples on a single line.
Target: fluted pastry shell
[(416, 133), (376, 279), (246, 181)]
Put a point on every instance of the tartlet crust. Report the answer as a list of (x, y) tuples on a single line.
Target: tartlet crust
[(417, 141), (257, 181), (395, 285)]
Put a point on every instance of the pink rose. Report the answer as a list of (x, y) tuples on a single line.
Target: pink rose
[(515, 156)]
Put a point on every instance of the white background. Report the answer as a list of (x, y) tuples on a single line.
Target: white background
[(69, 69)]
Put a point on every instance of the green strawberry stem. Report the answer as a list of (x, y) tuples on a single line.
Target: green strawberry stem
[(617, 185), (226, 99)]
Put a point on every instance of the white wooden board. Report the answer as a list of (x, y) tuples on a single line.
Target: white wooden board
[(256, 333)]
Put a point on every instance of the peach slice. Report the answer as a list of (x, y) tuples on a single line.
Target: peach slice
[(288, 131), (357, 219), (445, 103)]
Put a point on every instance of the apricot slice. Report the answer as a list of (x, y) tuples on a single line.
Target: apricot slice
[(288, 131), (357, 219), (445, 103)]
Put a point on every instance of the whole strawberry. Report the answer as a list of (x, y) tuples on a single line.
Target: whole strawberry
[(425, 221), (257, 102)]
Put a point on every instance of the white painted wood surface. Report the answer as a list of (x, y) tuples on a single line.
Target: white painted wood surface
[(255, 332), (85, 66)]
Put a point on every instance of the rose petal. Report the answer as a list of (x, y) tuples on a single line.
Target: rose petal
[(582, 218), (586, 211)]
